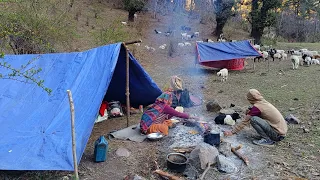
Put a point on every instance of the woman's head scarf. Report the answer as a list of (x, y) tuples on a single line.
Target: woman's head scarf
[(176, 83)]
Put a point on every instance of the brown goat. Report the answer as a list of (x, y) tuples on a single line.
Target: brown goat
[(315, 56)]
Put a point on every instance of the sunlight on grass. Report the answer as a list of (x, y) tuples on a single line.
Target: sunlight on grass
[(310, 46)]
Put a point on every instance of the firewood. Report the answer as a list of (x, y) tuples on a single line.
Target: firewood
[(242, 157), (167, 175)]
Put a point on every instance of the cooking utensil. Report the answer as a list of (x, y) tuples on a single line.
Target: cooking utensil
[(155, 136), (177, 162)]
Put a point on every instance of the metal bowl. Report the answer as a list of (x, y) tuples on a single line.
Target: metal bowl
[(155, 136)]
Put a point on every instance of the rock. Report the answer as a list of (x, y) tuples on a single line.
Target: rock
[(213, 106), (65, 178), (134, 177), (203, 154), (220, 91), (225, 165), (306, 130), (190, 173), (225, 149), (227, 111), (123, 152), (291, 109), (296, 99), (293, 120), (238, 109)]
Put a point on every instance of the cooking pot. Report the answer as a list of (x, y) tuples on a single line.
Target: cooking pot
[(212, 138), (177, 162)]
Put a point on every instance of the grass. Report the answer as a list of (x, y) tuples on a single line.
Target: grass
[(310, 46)]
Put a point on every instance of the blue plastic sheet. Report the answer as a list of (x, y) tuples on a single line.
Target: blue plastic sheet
[(35, 130), (208, 51)]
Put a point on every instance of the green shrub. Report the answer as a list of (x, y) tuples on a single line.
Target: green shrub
[(112, 34), (35, 26)]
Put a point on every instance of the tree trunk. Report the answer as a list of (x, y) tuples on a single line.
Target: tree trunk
[(155, 9), (258, 21), (219, 28), (256, 34), (131, 16)]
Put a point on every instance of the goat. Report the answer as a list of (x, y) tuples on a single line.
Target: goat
[(315, 61), (224, 74), (295, 61)]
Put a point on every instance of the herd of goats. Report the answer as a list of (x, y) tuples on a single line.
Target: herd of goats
[(297, 57)]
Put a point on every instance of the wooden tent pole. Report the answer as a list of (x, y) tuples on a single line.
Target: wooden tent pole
[(128, 78), (127, 84), (73, 133)]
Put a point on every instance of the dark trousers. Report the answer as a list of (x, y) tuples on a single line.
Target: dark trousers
[(264, 129)]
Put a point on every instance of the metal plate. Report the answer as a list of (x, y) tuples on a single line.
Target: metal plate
[(154, 136)]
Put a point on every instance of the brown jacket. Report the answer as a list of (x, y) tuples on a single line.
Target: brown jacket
[(268, 113)]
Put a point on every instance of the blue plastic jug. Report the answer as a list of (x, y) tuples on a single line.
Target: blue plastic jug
[(100, 149)]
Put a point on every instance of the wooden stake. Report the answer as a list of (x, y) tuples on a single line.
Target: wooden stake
[(73, 133), (127, 78), (127, 85)]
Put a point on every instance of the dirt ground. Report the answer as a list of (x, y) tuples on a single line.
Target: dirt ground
[(291, 91)]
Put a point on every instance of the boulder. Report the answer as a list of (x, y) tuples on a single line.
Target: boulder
[(213, 106), (203, 154), (225, 149), (227, 111), (225, 165)]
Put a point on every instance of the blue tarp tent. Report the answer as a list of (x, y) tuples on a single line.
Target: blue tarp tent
[(215, 54), (35, 127)]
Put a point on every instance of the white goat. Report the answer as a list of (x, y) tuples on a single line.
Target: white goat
[(257, 47), (184, 35), (308, 60), (163, 46), (277, 55), (280, 51), (295, 61), (303, 50), (196, 34), (187, 44), (224, 74), (315, 61), (180, 44), (284, 56)]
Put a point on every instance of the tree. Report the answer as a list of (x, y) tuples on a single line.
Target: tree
[(263, 14), (223, 10), (133, 6)]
